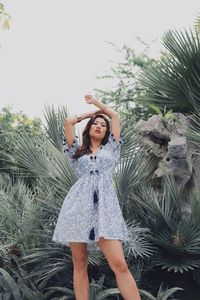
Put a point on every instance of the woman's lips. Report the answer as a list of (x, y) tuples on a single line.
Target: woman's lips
[(97, 131)]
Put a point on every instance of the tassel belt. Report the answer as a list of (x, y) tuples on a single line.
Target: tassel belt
[(95, 203)]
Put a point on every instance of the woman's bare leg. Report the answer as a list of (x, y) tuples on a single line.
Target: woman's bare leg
[(114, 254), (80, 273)]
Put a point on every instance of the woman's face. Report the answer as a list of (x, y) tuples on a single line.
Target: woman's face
[(98, 128)]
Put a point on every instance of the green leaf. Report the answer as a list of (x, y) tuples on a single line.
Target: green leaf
[(12, 284)]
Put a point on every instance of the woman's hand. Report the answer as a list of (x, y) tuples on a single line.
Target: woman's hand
[(102, 107), (89, 99)]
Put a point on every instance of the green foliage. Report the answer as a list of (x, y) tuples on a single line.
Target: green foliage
[(22, 288), (163, 294), (54, 127), (4, 17), (123, 95), (197, 23), (176, 238), (193, 130), (173, 81), (11, 123), (8, 287), (97, 292)]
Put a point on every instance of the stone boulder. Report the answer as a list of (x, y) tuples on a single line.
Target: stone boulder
[(165, 139)]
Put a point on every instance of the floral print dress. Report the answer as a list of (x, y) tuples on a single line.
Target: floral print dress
[(91, 209)]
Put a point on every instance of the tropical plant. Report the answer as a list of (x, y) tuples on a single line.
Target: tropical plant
[(23, 288), (8, 287), (11, 124), (192, 132), (173, 81), (98, 293), (163, 294), (125, 86), (176, 237)]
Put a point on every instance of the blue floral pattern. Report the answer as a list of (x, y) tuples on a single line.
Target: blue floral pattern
[(91, 208)]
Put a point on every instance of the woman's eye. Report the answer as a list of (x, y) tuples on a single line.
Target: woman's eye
[(101, 124)]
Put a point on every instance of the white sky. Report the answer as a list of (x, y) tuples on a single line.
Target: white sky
[(54, 49)]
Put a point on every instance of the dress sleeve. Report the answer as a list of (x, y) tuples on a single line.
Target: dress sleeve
[(115, 144), (70, 151)]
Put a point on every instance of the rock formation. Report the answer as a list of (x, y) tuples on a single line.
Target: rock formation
[(165, 139)]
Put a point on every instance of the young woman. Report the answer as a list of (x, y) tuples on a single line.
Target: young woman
[(91, 214)]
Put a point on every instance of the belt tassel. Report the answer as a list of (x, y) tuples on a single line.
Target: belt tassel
[(92, 234), (95, 197)]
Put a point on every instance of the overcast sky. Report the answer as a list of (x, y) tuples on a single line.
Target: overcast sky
[(55, 49)]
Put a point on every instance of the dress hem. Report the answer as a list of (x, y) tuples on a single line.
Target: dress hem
[(66, 243)]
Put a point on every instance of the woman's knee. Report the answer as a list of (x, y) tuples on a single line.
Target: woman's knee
[(80, 263), (119, 266), (79, 258)]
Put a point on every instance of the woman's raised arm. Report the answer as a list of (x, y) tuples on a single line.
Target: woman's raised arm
[(111, 113)]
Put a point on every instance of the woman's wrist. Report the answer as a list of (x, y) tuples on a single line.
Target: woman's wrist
[(107, 110), (83, 116), (100, 105), (76, 118)]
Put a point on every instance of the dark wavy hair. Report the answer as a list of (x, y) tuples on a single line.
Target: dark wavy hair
[(85, 147)]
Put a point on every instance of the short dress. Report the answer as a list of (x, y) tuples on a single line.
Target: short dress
[(91, 208)]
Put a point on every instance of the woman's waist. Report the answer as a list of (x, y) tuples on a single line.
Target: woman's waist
[(96, 172)]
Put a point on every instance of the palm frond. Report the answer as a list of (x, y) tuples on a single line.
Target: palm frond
[(139, 244), (55, 124), (134, 168), (39, 158), (192, 132), (174, 81), (197, 23), (18, 210), (176, 238), (194, 200), (10, 283)]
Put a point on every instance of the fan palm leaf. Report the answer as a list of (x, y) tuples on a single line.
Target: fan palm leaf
[(40, 159), (197, 23), (176, 238), (134, 168), (193, 130), (174, 81), (18, 210), (139, 244), (55, 124)]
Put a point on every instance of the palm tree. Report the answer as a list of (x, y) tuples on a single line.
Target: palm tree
[(173, 81)]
